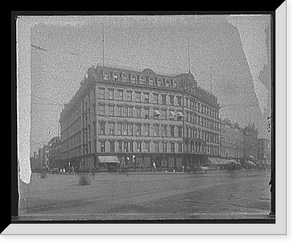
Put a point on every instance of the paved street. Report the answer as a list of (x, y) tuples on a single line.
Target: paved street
[(237, 194)]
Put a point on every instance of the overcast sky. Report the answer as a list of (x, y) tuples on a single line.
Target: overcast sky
[(73, 44)]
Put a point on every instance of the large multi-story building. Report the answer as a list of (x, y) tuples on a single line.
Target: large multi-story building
[(140, 117), (231, 145)]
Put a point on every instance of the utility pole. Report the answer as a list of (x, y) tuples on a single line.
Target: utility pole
[(189, 62), (103, 45), (210, 79)]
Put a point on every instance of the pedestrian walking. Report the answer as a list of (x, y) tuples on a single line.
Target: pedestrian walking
[(154, 166)]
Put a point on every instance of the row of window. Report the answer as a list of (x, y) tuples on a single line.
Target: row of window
[(139, 146), (194, 118), (71, 129), (113, 146), (196, 133), (139, 79), (201, 108), (199, 147), (138, 129), (138, 96), (137, 112)]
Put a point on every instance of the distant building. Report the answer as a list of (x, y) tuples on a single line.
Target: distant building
[(264, 151), (54, 152), (34, 162), (250, 137), (231, 145), (140, 117)]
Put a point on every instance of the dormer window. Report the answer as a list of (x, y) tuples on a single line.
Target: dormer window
[(133, 78), (124, 78), (115, 76), (175, 83), (106, 75), (142, 79), (168, 82), (151, 80), (159, 81)]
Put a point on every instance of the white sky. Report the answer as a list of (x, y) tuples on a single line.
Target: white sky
[(156, 42)]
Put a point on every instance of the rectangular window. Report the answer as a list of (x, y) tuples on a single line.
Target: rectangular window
[(112, 146), (130, 111), (130, 146), (171, 97), (119, 128), (120, 146), (101, 93), (126, 148), (110, 94), (101, 109), (155, 98), (146, 113), (111, 128), (130, 129), (125, 111), (118, 111), (163, 114), (179, 128), (125, 129), (164, 99), (146, 97), (179, 145), (146, 129), (139, 146), (156, 147), (138, 112), (165, 146), (147, 146), (110, 110), (128, 96), (120, 95), (172, 131), (101, 127), (138, 96), (156, 130), (138, 129), (164, 130), (102, 146), (179, 100), (172, 147)]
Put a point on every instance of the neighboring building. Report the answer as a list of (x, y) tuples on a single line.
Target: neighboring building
[(250, 135), (54, 152), (264, 151), (231, 145), (140, 117), (34, 162)]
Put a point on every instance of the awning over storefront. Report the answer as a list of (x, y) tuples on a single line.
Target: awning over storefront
[(108, 159), (213, 161)]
